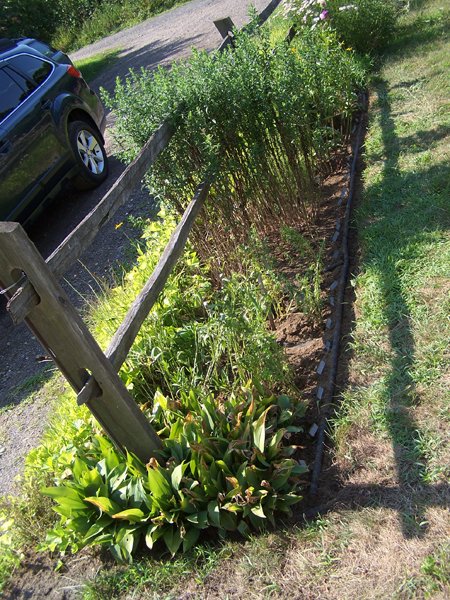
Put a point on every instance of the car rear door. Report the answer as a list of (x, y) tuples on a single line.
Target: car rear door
[(33, 152)]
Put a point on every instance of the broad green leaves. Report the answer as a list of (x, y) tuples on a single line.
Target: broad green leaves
[(208, 478)]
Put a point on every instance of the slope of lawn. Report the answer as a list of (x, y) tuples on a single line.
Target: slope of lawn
[(388, 536)]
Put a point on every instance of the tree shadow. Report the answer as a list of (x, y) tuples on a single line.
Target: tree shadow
[(397, 234), (149, 57)]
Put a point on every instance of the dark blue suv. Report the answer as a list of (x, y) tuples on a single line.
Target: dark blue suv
[(51, 128)]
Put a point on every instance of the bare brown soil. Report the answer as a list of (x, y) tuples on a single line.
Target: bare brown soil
[(38, 577)]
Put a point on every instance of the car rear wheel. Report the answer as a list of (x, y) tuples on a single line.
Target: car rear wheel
[(89, 154)]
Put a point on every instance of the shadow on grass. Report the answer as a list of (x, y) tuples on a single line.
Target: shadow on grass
[(93, 66), (407, 211), (424, 29)]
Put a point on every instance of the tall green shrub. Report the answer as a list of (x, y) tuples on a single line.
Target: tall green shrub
[(368, 26), (264, 118), (71, 23), (35, 18), (365, 25)]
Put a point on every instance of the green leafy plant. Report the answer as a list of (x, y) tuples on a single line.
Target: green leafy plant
[(365, 25), (10, 553), (197, 336), (264, 117), (204, 368), (225, 465), (72, 23), (216, 388)]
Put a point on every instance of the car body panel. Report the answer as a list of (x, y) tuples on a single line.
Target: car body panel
[(35, 154)]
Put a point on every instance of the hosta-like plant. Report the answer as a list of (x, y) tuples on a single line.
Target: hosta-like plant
[(227, 464)]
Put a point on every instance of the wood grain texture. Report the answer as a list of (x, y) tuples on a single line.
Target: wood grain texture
[(64, 336), (128, 330)]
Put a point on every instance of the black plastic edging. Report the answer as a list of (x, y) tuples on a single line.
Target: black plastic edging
[(337, 318)]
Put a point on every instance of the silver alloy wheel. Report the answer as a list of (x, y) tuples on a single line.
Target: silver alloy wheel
[(90, 152)]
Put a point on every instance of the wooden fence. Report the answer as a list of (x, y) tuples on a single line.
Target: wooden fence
[(36, 297)]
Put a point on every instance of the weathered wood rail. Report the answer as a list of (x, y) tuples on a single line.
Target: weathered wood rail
[(36, 297), (71, 249)]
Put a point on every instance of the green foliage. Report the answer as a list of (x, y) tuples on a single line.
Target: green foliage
[(369, 26), (73, 23), (308, 288), (204, 369), (196, 336), (436, 571), (21, 17), (365, 25), (225, 465), (10, 553), (39, 18), (264, 117)]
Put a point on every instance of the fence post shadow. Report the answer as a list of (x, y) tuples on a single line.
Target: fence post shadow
[(412, 495)]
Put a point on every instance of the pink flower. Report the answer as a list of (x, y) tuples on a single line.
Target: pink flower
[(322, 3), (323, 15)]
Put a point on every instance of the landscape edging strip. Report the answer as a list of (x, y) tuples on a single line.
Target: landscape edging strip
[(328, 396)]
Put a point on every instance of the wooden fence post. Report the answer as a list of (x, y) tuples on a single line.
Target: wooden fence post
[(225, 26), (61, 331)]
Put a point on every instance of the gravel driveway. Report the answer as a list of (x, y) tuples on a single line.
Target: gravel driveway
[(157, 41)]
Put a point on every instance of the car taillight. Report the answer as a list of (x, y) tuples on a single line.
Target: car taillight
[(73, 72)]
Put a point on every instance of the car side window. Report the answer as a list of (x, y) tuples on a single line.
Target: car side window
[(11, 94), (24, 83), (32, 67)]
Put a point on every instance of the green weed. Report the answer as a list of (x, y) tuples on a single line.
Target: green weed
[(91, 67), (10, 547)]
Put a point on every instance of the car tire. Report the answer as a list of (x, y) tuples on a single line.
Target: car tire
[(89, 155)]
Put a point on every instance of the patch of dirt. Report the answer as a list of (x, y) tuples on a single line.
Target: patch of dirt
[(24, 423), (38, 577)]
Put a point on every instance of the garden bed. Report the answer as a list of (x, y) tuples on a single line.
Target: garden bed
[(303, 339)]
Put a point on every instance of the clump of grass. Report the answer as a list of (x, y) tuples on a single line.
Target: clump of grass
[(92, 66), (157, 577)]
